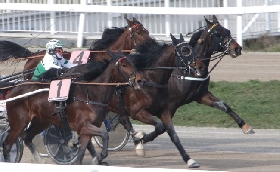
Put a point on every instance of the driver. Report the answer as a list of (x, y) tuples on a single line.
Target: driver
[(53, 59)]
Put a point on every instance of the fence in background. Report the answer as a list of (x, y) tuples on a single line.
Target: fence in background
[(160, 17)]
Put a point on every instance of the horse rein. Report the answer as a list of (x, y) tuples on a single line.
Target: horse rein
[(225, 46), (131, 76)]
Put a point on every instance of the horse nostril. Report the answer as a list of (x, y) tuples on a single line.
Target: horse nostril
[(238, 50)]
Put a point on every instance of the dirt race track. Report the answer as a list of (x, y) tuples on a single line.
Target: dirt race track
[(215, 149)]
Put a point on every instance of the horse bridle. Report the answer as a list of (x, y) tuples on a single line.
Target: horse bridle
[(131, 77), (183, 56), (226, 38), (132, 39)]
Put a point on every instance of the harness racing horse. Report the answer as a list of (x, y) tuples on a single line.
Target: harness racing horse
[(143, 104), (183, 90), (124, 38), (83, 112)]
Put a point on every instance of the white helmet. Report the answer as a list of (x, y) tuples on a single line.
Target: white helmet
[(52, 44)]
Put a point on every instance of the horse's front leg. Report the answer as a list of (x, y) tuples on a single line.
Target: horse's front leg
[(210, 100), (84, 140), (86, 132), (168, 124), (140, 138)]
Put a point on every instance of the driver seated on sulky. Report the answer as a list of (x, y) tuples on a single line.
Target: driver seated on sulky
[(53, 59)]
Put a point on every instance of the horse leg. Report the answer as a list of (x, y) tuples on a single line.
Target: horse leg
[(166, 119), (210, 100), (84, 140), (91, 149), (8, 143), (141, 138), (86, 132), (14, 132), (136, 136), (35, 127)]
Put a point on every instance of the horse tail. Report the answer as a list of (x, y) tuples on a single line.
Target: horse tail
[(10, 50)]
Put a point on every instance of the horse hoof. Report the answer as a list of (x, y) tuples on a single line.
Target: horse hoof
[(104, 163), (193, 164), (95, 161), (140, 150), (247, 129)]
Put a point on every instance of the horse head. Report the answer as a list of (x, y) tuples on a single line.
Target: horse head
[(187, 57), (221, 39), (126, 69), (136, 31)]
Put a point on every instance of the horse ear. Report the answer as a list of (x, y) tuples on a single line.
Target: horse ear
[(215, 20), (134, 19), (130, 23), (181, 38), (209, 24), (174, 40)]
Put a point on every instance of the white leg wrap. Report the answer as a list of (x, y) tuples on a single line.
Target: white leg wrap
[(140, 148), (139, 135)]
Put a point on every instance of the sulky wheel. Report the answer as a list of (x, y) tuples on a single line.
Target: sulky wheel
[(117, 134), (17, 148), (58, 148)]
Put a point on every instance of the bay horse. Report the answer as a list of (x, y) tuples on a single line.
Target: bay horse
[(143, 104), (84, 111), (123, 38), (184, 90)]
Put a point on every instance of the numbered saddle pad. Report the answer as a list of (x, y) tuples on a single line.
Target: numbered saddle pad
[(59, 90), (79, 57)]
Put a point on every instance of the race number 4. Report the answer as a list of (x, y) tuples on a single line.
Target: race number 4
[(79, 57)]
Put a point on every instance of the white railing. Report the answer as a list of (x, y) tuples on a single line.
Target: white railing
[(167, 17)]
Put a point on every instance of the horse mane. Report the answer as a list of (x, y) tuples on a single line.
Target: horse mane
[(10, 49), (95, 68), (83, 72), (109, 35), (195, 37), (146, 53)]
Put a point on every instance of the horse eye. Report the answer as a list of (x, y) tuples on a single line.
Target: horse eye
[(123, 65)]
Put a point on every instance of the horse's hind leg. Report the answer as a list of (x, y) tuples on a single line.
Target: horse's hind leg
[(35, 127), (7, 145), (210, 100), (11, 138)]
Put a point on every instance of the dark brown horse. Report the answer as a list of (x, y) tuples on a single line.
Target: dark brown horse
[(183, 90), (84, 112), (142, 105)]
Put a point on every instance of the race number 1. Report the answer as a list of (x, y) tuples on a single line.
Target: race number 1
[(59, 90)]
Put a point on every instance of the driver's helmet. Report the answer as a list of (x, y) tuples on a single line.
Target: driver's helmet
[(52, 45)]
